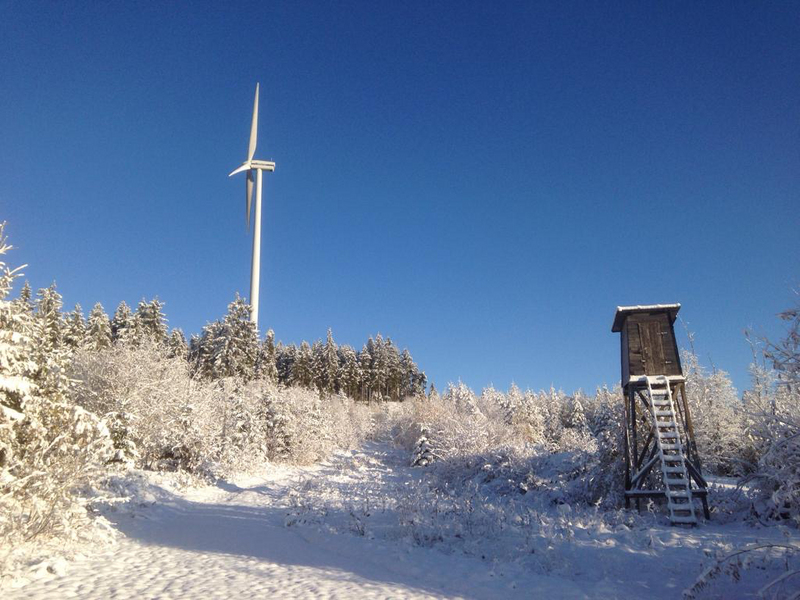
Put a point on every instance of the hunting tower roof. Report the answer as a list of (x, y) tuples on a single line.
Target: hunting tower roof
[(625, 311)]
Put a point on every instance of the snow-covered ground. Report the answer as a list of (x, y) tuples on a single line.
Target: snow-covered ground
[(365, 525)]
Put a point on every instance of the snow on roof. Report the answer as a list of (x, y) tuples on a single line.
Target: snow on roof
[(624, 311)]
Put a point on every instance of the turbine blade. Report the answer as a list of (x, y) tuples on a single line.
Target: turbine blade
[(244, 167), (249, 196), (253, 129)]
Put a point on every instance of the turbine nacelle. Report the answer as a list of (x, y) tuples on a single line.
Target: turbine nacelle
[(251, 165), (254, 165)]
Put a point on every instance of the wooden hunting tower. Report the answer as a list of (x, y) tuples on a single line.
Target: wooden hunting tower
[(661, 459)]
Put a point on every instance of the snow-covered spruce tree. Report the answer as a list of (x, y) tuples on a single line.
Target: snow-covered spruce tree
[(236, 346), (279, 424), (98, 329), (266, 362), (49, 449), (394, 373), (285, 362), (25, 299), (227, 348), (424, 452), (122, 326), (303, 368), (75, 330), (410, 376), (150, 321), (349, 372), (528, 416), (379, 374), (201, 350), (50, 352), (318, 365), (365, 367), (330, 365), (176, 344)]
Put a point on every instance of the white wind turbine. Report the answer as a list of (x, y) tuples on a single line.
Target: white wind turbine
[(254, 168)]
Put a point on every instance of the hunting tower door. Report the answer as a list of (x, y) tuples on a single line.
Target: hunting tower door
[(661, 459)]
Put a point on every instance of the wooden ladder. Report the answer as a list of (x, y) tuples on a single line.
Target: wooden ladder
[(673, 466)]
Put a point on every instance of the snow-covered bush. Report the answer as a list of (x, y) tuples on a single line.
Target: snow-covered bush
[(303, 426), (569, 446), (718, 417), (772, 409), (163, 417)]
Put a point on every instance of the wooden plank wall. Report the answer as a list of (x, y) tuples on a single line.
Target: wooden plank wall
[(662, 342)]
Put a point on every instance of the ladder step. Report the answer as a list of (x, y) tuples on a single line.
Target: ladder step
[(680, 470), (671, 435), (689, 520), (678, 494), (664, 413), (681, 481)]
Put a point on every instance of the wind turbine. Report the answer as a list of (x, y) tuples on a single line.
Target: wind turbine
[(254, 170)]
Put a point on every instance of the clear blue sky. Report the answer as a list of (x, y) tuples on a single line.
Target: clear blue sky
[(481, 181)]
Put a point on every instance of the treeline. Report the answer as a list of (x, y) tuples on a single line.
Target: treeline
[(230, 347)]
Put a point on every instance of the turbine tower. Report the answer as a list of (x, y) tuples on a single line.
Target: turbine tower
[(254, 170)]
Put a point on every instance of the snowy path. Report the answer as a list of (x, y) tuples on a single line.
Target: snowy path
[(232, 541)]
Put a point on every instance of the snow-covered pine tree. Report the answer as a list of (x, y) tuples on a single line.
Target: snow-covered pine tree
[(285, 362), (49, 321), (122, 326), (511, 403), (365, 366), (394, 372), (48, 448), (302, 370), (98, 329), (201, 350), (379, 373), (350, 372), (318, 365), (177, 345), (25, 299), (409, 375), (424, 452), (420, 383), (235, 346), (279, 425), (266, 363), (75, 330), (528, 417), (16, 360), (330, 366), (50, 352), (150, 321)]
